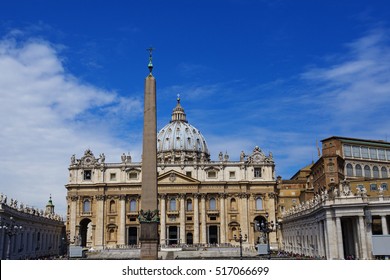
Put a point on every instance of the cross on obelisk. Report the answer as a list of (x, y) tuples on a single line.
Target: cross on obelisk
[(149, 216)]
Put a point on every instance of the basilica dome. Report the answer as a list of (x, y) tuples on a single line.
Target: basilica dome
[(179, 141)]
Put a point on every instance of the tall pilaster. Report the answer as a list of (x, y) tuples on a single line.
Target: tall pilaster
[(223, 218), (182, 219), (149, 217), (203, 219), (163, 232), (122, 220), (196, 218), (99, 237)]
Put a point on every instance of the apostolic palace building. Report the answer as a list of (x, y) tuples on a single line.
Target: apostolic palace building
[(201, 202)]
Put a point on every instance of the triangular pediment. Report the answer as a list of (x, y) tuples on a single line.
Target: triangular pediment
[(174, 177)]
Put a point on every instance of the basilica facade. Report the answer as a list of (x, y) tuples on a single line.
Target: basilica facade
[(201, 202)]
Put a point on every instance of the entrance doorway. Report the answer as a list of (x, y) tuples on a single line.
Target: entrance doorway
[(213, 234), (172, 235), (190, 239), (85, 230), (132, 236)]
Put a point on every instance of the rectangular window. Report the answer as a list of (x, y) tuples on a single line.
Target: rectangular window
[(384, 187), (133, 175), (356, 151), (257, 172), (365, 152), (212, 218), (373, 187), (347, 150), (189, 174), (87, 174), (212, 174), (381, 154), (373, 154), (189, 218), (232, 174), (388, 154), (112, 176)]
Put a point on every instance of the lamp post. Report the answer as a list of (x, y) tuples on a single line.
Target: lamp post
[(10, 228), (240, 239), (267, 227)]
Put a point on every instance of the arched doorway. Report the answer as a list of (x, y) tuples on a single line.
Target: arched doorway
[(85, 232), (259, 237)]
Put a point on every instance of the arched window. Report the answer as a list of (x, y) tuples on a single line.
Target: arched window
[(375, 171), (212, 204), (358, 170), (233, 204), (172, 204), (189, 205), (349, 170), (133, 205), (259, 203), (87, 206), (112, 206), (384, 172), (367, 171)]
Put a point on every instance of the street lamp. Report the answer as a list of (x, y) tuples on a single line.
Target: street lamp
[(10, 228), (240, 239), (267, 227)]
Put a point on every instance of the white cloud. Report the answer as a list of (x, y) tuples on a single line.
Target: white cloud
[(46, 115)]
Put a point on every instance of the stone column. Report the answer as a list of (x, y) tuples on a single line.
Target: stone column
[(331, 238), (122, 220), (339, 233), (196, 218), (73, 214), (148, 217), (223, 218), (244, 214), (163, 231), (99, 237), (182, 219), (203, 219), (362, 237), (385, 229)]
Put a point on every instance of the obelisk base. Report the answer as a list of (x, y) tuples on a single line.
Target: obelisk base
[(149, 241)]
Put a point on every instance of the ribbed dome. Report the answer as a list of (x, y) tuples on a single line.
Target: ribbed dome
[(180, 139)]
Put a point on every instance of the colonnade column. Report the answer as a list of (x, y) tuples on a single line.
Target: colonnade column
[(223, 218), (163, 232), (340, 247), (385, 229), (203, 218), (196, 218), (182, 219), (122, 220), (330, 237), (362, 234)]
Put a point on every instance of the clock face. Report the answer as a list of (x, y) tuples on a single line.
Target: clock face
[(257, 158), (88, 160)]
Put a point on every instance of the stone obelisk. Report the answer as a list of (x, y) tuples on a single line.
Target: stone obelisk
[(149, 216)]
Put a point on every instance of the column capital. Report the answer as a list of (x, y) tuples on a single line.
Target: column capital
[(100, 197)]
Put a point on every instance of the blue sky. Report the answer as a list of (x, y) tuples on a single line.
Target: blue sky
[(277, 74)]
